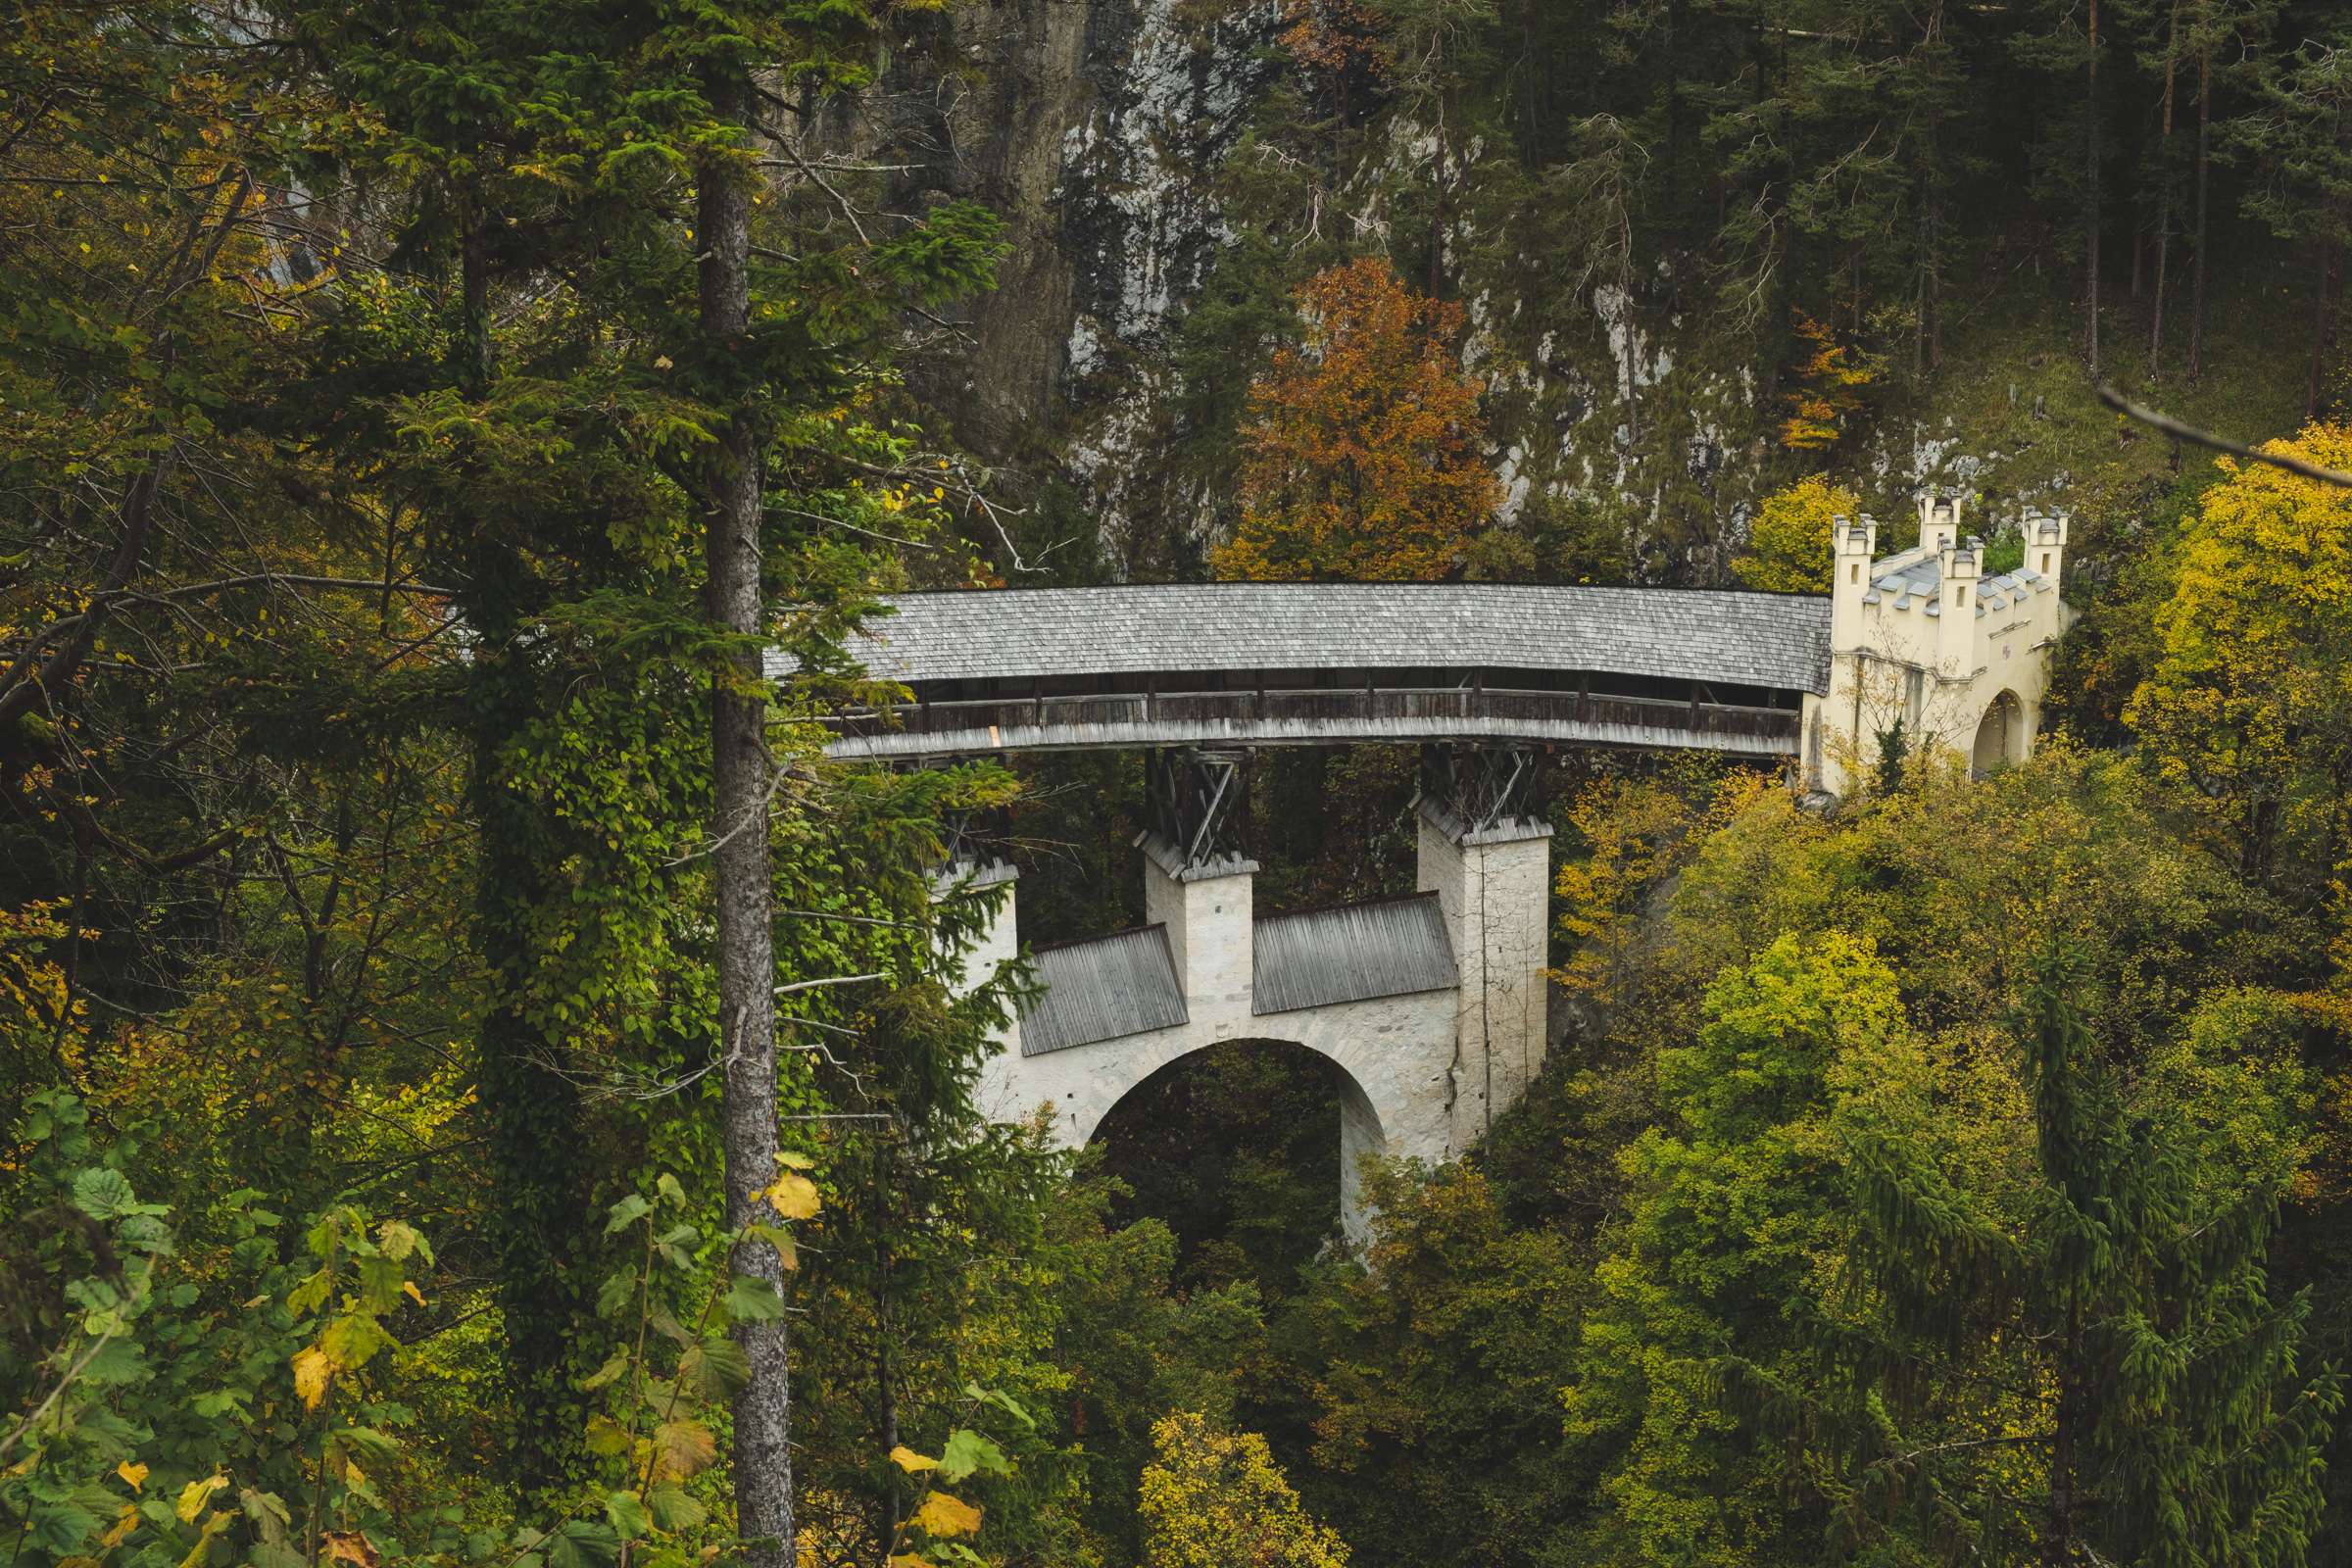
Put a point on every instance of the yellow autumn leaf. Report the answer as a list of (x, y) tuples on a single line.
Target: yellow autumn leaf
[(943, 1515), (910, 1461), (414, 1294), (312, 1369), (192, 1496), (906, 1559), (792, 1196), (213, 1524), (125, 1523), (351, 1546), (135, 1474)]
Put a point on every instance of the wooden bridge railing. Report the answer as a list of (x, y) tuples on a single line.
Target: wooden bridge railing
[(1275, 715)]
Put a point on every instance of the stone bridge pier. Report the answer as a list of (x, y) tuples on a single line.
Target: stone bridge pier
[(1432, 1004)]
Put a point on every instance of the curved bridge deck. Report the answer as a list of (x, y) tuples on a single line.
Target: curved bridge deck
[(1332, 663)]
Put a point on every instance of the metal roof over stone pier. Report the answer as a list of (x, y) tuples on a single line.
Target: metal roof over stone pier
[(1332, 663)]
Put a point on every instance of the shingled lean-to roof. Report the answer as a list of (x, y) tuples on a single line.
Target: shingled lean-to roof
[(1102, 988), (1354, 952), (1752, 639)]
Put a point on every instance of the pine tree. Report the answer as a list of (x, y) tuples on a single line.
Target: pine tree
[(2299, 137), (2175, 1427)]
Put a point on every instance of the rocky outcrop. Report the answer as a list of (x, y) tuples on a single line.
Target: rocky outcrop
[(1094, 128)]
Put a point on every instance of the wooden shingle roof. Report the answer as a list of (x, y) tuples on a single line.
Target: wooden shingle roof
[(1771, 640), (1103, 988), (1316, 958)]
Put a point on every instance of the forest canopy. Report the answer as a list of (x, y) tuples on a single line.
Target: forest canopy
[(480, 1087)]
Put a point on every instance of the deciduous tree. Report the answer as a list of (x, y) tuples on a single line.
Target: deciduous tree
[(1214, 1499), (1788, 546), (2250, 703), (1363, 458)]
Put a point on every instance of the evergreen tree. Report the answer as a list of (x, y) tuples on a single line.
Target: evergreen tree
[(2170, 1422), (2299, 137)]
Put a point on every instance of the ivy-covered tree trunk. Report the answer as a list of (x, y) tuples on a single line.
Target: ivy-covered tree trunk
[(2196, 291), (532, 1110), (742, 774)]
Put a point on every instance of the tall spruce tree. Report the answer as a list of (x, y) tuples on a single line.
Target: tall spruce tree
[(2166, 1419), (2299, 137)]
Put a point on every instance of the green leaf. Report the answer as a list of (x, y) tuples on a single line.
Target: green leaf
[(380, 1280), (104, 1194), (606, 1436), (967, 1452), (399, 1238), (672, 1509), (310, 1295), (614, 1365), (715, 1369), (617, 1293), (582, 1544), (753, 1300), (627, 1213), (667, 1186), (368, 1444), (352, 1338), (268, 1511), (1003, 1401), (626, 1511), (59, 1527)]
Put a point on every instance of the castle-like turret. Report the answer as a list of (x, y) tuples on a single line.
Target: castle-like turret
[(1925, 640)]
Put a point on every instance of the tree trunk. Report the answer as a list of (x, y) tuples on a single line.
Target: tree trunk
[(532, 1109), (2319, 327), (2090, 299), (2164, 194), (2196, 291), (741, 777), (2058, 1548)]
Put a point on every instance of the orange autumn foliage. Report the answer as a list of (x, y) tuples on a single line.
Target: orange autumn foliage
[(1335, 35), (1362, 443), (1827, 395)]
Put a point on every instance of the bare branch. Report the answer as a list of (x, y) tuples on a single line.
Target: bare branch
[(2206, 438)]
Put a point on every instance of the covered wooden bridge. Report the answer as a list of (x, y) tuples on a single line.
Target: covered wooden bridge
[(1245, 665)]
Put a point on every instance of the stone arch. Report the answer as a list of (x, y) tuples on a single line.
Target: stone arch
[(2000, 736), (1363, 1130)]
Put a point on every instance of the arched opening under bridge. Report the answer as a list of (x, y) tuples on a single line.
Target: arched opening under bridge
[(1248, 1150)]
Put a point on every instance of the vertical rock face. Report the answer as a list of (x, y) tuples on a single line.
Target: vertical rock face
[(1101, 130), (1139, 218), (1096, 129)]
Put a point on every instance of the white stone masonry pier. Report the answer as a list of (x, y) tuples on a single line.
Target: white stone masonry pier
[(1431, 1006)]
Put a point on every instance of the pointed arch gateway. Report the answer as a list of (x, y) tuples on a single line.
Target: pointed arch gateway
[(2000, 736)]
